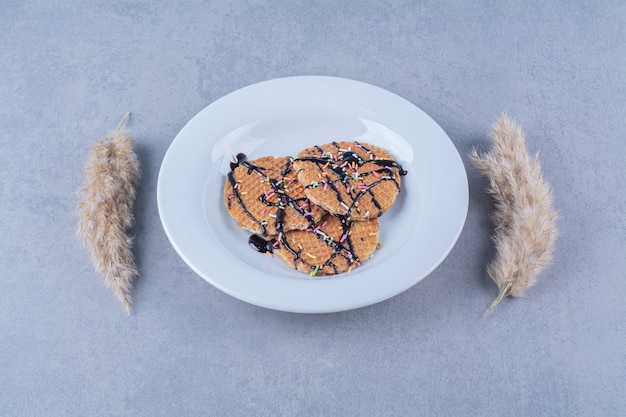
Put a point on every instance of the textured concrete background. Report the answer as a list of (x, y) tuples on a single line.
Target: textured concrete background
[(69, 71)]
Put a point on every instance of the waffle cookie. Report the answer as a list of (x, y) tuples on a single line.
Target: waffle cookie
[(335, 245), (351, 179), (264, 196)]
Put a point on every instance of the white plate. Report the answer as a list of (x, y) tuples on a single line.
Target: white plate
[(281, 117)]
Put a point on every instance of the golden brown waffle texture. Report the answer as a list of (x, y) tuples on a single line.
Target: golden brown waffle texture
[(264, 196), (349, 178)]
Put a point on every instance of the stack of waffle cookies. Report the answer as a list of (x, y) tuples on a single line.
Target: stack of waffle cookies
[(318, 211)]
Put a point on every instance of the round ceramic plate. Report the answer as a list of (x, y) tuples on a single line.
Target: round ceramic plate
[(280, 117)]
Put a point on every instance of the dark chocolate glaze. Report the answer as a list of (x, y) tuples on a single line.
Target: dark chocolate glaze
[(260, 244)]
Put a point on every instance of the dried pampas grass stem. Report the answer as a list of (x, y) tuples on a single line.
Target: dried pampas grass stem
[(524, 216), (105, 210)]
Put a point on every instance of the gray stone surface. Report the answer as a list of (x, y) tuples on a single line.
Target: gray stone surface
[(68, 72)]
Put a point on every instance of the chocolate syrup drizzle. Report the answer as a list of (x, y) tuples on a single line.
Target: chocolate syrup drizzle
[(338, 166), (263, 244)]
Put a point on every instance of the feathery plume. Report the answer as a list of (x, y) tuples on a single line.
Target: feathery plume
[(105, 211), (524, 216)]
